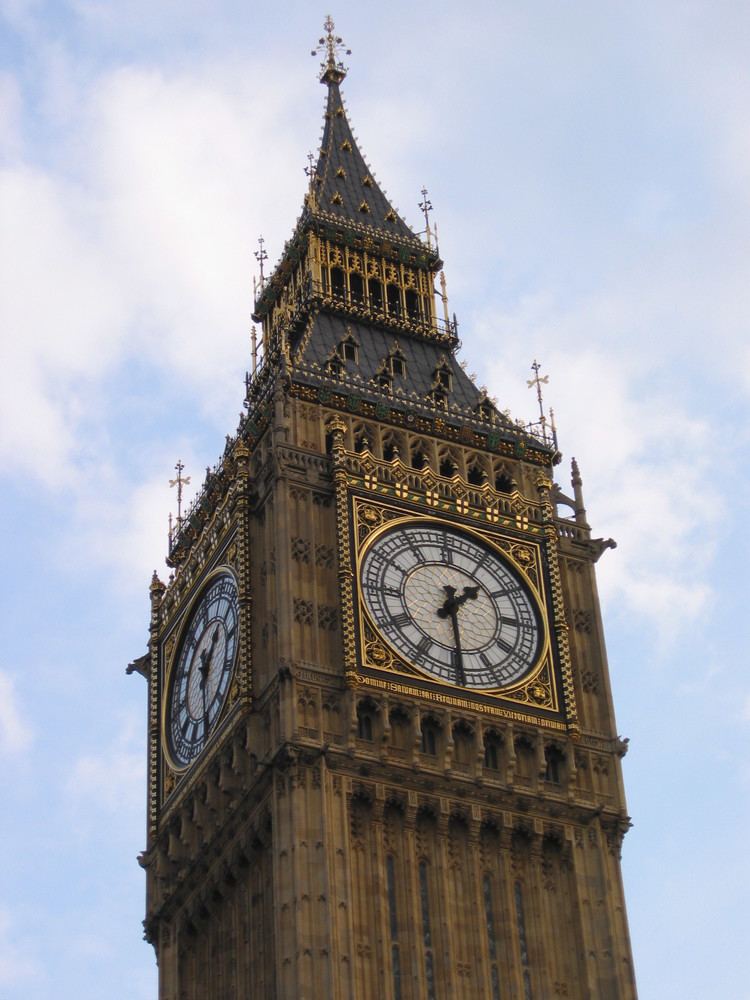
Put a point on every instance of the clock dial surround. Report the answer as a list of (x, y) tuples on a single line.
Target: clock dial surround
[(200, 679), (451, 605)]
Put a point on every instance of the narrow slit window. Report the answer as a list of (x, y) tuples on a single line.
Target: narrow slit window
[(390, 869), (491, 935), (523, 949), (429, 960)]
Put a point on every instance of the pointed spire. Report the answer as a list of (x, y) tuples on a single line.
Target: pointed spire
[(577, 483), (342, 183)]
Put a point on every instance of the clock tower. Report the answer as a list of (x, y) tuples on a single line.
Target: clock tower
[(383, 760)]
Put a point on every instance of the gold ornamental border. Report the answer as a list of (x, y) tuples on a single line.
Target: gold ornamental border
[(172, 646), (538, 687)]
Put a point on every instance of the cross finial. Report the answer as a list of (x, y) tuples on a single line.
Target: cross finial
[(331, 45), (538, 381), (261, 256), (179, 482), (310, 168), (425, 206)]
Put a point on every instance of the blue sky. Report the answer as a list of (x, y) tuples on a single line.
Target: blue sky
[(589, 165)]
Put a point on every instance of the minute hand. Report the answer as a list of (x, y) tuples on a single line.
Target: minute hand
[(450, 610)]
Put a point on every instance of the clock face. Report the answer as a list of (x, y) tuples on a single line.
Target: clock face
[(204, 666), (451, 605)]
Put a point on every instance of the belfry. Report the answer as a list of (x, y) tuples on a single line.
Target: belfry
[(383, 760)]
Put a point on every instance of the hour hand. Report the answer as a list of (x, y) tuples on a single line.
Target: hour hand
[(205, 660), (449, 606)]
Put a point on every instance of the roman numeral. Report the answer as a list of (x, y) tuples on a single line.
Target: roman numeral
[(401, 620), (423, 648), (509, 621)]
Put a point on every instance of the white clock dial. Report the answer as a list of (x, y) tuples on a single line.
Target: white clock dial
[(205, 663), (451, 605)]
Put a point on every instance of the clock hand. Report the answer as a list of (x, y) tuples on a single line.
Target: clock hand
[(205, 670), (450, 610)]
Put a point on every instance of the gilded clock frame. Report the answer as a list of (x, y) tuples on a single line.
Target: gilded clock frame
[(376, 663), (171, 646), (375, 650)]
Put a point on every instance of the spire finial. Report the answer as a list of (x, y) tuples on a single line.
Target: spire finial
[(331, 45), (179, 482), (538, 381), (261, 256), (425, 206)]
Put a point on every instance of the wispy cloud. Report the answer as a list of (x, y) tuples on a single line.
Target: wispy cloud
[(112, 779), (15, 730), (16, 963)]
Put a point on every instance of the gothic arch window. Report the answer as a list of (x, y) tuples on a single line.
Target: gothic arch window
[(431, 733), (492, 748), (338, 282), (366, 719), (363, 438), (393, 294), (503, 482), (443, 377), (525, 757), (400, 724), (554, 764), (412, 304), (357, 287), (396, 363), (348, 348), (476, 475), (393, 446), (463, 742), (448, 463), (419, 455), (375, 292)]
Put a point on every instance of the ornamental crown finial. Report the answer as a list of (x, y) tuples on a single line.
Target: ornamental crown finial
[(331, 46)]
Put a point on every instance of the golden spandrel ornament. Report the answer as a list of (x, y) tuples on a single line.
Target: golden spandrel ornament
[(370, 516), (170, 780)]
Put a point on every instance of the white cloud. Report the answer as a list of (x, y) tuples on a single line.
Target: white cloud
[(122, 527), (135, 241), (16, 965), (15, 732), (644, 457), (113, 779)]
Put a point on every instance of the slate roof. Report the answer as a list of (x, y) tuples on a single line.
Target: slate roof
[(374, 345), (344, 183)]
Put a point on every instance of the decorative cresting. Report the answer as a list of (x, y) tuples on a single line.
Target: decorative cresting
[(544, 485), (337, 429)]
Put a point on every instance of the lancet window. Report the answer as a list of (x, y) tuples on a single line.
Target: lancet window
[(387, 288)]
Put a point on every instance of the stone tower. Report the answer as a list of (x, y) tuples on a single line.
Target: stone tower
[(383, 760)]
